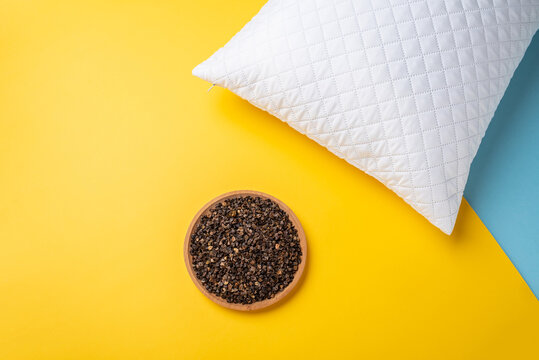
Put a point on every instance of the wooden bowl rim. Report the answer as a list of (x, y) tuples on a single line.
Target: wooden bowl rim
[(260, 304)]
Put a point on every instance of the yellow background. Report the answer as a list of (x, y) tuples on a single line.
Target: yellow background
[(108, 147)]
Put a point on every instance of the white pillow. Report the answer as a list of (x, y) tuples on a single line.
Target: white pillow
[(402, 89)]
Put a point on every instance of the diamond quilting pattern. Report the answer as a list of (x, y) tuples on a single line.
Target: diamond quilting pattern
[(402, 89)]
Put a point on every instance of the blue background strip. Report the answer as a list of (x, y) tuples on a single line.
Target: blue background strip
[(503, 187)]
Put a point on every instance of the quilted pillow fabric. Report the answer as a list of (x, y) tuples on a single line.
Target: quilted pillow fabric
[(402, 89)]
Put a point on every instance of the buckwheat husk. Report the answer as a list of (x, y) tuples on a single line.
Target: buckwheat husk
[(245, 250)]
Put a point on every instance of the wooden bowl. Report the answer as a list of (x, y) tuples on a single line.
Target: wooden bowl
[(260, 304)]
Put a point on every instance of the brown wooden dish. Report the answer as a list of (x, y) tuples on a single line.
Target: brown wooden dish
[(260, 304)]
